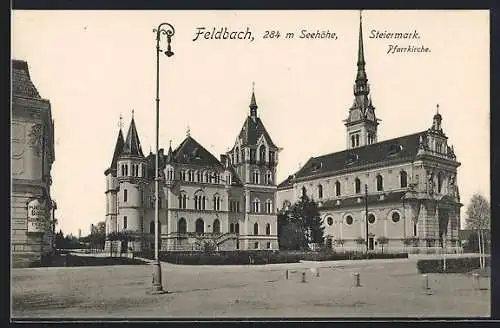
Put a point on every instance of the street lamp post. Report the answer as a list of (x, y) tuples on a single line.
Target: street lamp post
[(366, 215), (168, 30)]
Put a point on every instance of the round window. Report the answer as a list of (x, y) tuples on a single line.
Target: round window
[(371, 218), (395, 217), (348, 220), (329, 220)]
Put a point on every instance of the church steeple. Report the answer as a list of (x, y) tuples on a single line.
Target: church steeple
[(253, 104), (361, 87)]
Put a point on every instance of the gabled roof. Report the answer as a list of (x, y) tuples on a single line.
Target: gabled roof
[(117, 152), (192, 152), (402, 148), (252, 131), (132, 146), (22, 85), (287, 183)]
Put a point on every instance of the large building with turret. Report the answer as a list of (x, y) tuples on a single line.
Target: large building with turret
[(228, 201), (400, 193)]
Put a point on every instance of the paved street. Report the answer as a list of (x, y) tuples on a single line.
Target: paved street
[(389, 288)]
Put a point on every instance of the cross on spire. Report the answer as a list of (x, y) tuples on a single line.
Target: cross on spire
[(120, 122), (132, 114), (437, 108), (188, 131)]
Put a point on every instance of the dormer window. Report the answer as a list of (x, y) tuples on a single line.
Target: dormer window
[(351, 159), (316, 166), (395, 149)]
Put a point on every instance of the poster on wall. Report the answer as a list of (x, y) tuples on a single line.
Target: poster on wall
[(37, 215)]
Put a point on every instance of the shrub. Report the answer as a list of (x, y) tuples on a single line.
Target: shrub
[(453, 265)]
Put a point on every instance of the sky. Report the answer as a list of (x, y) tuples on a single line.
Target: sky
[(94, 66)]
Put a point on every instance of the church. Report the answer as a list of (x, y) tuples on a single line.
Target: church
[(394, 194), (228, 201)]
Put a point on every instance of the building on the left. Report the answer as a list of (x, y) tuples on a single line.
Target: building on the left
[(32, 156)]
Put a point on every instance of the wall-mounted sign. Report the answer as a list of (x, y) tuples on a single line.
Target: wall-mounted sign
[(37, 215)]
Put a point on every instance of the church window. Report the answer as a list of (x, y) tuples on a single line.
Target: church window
[(320, 191), (268, 229), (395, 217), (256, 228), (380, 183), (255, 177), (269, 179), (125, 195), (440, 181), (348, 220), (262, 153), (403, 176), (125, 222), (269, 206), (256, 205), (371, 218), (337, 188), (272, 158), (357, 186)]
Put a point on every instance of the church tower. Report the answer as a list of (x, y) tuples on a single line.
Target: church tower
[(112, 188), (132, 181), (361, 123)]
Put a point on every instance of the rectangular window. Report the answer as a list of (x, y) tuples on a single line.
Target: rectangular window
[(124, 222), (256, 245), (268, 245), (125, 195)]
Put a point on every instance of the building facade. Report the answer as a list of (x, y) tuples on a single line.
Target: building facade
[(32, 156), (229, 202), (408, 184)]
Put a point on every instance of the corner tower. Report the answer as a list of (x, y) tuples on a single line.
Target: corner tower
[(132, 176), (361, 124)]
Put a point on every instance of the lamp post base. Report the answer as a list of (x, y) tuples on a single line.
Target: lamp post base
[(157, 287)]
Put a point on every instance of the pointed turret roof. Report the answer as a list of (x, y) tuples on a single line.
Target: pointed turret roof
[(252, 131), (361, 75), (118, 151), (132, 146)]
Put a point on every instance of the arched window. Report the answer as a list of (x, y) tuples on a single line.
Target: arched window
[(200, 226), (152, 227), (231, 228), (380, 183), (237, 155), (262, 153), (216, 226), (199, 176), (269, 179), (440, 181), (403, 179), (255, 176), (320, 191), (269, 206), (182, 199), (216, 202), (237, 228), (190, 176), (182, 226), (256, 205), (268, 229), (357, 185), (206, 180), (199, 201), (256, 228), (242, 155), (183, 175), (337, 188), (304, 191)]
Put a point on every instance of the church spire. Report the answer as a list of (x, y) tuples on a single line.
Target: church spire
[(361, 86), (253, 104), (132, 144)]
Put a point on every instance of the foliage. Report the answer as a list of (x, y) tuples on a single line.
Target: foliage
[(66, 242), (478, 213), (382, 241), (302, 218), (453, 265), (73, 261)]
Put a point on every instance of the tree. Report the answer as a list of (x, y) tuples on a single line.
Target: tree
[(478, 218), (382, 241), (305, 215)]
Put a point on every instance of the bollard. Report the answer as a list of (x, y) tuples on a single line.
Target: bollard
[(303, 277), (356, 280), (286, 274), (475, 276), (317, 272), (425, 282)]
